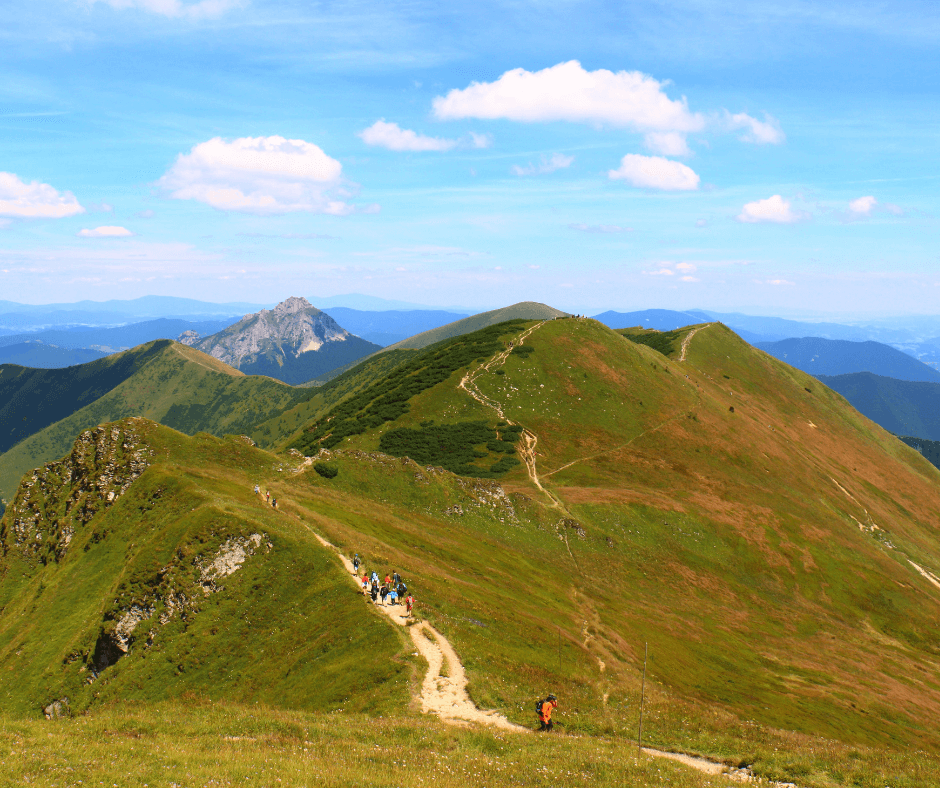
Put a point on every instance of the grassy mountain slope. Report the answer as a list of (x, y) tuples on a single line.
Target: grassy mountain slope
[(929, 449), (839, 357), (187, 583), (722, 508), (168, 382), (772, 547), (526, 310), (900, 406)]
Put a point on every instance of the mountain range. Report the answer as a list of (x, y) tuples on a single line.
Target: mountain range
[(569, 503)]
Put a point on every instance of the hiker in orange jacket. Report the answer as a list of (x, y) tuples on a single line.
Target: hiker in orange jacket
[(545, 709)]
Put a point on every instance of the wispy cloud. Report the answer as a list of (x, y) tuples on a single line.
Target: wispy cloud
[(106, 231), (600, 228), (175, 9), (557, 161)]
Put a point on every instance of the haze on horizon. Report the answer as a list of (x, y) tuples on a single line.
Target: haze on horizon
[(776, 157)]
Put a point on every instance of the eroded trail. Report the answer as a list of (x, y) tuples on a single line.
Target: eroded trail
[(443, 695), (687, 340)]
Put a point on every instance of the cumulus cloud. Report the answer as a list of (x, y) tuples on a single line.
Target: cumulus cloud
[(262, 175), (175, 9), (34, 200), (107, 231), (863, 205), (558, 161), (567, 92), (765, 132), (668, 143), (774, 210), (391, 136), (600, 228), (655, 172)]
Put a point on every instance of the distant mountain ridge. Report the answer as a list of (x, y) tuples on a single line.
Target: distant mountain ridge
[(819, 356), (294, 342), (524, 310), (904, 407)]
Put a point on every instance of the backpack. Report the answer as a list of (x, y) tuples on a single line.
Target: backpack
[(538, 706)]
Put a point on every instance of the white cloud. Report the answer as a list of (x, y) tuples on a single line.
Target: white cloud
[(480, 140), (389, 135), (765, 132), (689, 279), (774, 282), (655, 172), (262, 175), (34, 200), (105, 232), (701, 223), (668, 143), (568, 92), (175, 9), (558, 161), (686, 268), (863, 205), (685, 271), (896, 210), (600, 228), (774, 209)]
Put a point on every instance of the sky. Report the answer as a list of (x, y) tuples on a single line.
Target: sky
[(772, 157)]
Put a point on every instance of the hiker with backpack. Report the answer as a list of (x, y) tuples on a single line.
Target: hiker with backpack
[(356, 563), (544, 709), (409, 604), (384, 593)]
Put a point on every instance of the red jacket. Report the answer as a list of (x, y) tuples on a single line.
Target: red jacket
[(547, 708)]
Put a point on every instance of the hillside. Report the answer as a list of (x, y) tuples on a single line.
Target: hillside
[(900, 406), (294, 342), (820, 357), (526, 310), (163, 380), (777, 552)]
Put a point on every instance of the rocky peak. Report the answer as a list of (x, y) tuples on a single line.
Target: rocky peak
[(293, 305)]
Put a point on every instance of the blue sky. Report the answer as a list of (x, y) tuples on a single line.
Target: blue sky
[(772, 157)]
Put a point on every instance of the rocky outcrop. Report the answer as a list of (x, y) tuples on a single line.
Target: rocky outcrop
[(54, 501)]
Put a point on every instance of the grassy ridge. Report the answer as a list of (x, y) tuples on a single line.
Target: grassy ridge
[(164, 381), (284, 628)]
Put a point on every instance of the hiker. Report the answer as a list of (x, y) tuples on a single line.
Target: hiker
[(402, 590), (267, 497), (396, 579), (393, 597), (274, 503), (375, 578), (388, 581), (409, 603), (365, 584), (384, 593), (356, 563), (544, 709), (375, 593), (257, 490)]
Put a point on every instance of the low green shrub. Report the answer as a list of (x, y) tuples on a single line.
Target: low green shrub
[(326, 471)]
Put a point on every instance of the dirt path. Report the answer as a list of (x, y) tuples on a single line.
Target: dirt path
[(687, 340), (443, 695)]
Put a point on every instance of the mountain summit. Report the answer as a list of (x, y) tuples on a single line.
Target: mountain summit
[(293, 342)]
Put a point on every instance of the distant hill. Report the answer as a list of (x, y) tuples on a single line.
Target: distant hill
[(660, 319), (903, 407), (40, 356), (294, 342), (819, 356), (114, 338), (525, 310), (42, 411), (388, 327), (929, 449)]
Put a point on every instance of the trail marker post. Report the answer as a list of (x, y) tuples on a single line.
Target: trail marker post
[(639, 735)]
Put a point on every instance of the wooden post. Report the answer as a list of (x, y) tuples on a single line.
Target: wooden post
[(639, 735), (559, 644)]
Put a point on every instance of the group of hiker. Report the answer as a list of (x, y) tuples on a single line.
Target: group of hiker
[(267, 497), (391, 591)]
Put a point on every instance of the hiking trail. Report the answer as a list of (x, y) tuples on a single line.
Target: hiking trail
[(444, 696), (687, 340)]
